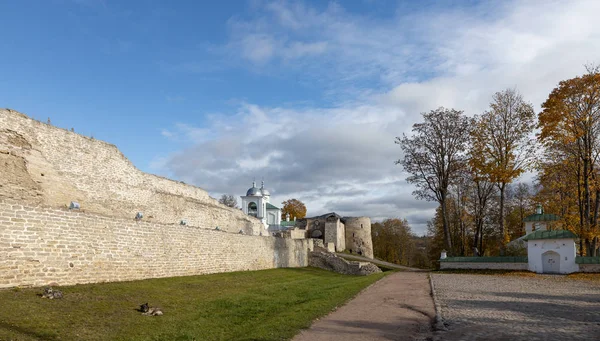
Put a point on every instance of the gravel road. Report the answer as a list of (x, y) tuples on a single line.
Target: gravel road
[(496, 307)]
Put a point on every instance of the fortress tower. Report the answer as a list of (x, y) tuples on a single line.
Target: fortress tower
[(358, 235)]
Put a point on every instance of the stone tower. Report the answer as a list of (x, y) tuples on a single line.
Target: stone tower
[(358, 236)]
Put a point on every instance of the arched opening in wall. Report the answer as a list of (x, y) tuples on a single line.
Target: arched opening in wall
[(252, 209), (316, 234), (550, 262)]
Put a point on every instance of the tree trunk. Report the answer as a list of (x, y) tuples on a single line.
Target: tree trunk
[(502, 246), (447, 237), (580, 206), (478, 225), (586, 195)]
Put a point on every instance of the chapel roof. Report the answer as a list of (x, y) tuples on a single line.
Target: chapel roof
[(254, 191), (271, 207), (265, 192), (555, 234)]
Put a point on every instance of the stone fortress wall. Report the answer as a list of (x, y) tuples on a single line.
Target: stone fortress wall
[(44, 168), (52, 166), (43, 245)]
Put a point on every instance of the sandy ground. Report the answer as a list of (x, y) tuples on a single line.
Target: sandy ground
[(398, 307)]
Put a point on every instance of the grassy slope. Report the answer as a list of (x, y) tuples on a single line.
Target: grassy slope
[(258, 305)]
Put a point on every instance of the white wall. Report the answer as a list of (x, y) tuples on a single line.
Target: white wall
[(564, 247), (539, 225), (261, 207)]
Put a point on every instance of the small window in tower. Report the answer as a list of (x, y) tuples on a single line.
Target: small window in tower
[(361, 226)]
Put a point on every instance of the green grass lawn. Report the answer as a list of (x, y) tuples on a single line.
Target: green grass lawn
[(253, 305)]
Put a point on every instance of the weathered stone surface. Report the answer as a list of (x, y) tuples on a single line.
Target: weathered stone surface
[(589, 267), (331, 262), (69, 247), (47, 165)]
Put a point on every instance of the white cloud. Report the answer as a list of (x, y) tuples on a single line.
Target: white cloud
[(341, 157), (258, 48)]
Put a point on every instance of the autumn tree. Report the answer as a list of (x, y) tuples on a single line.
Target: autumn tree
[(570, 122), (434, 155), (502, 147), (480, 197), (519, 205), (393, 241), (559, 187), (294, 207), (228, 200), (458, 215)]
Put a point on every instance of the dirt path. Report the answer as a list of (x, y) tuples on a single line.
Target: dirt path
[(398, 307)]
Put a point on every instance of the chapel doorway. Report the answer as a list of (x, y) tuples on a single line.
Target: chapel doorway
[(551, 262)]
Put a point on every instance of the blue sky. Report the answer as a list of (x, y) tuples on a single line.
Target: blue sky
[(308, 95)]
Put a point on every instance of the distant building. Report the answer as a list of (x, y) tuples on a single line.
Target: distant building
[(256, 203), (539, 221), (352, 234)]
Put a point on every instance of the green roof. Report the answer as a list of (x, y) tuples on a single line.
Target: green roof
[(556, 234), (587, 260), (271, 207), (288, 223), (542, 217)]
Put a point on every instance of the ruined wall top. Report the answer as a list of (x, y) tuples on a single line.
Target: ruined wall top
[(54, 166)]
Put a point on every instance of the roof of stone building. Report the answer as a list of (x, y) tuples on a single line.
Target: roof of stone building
[(271, 207), (542, 217), (556, 234), (327, 215)]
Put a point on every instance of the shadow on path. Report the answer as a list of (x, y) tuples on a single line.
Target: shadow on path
[(398, 307)]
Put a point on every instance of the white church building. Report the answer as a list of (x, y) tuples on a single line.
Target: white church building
[(256, 203), (550, 250)]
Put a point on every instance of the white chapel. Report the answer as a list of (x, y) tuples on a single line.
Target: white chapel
[(256, 203)]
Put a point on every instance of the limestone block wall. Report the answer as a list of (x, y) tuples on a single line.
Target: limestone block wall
[(358, 235), (331, 262), (484, 266), (335, 233), (589, 268), (47, 165), (297, 233), (40, 245)]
